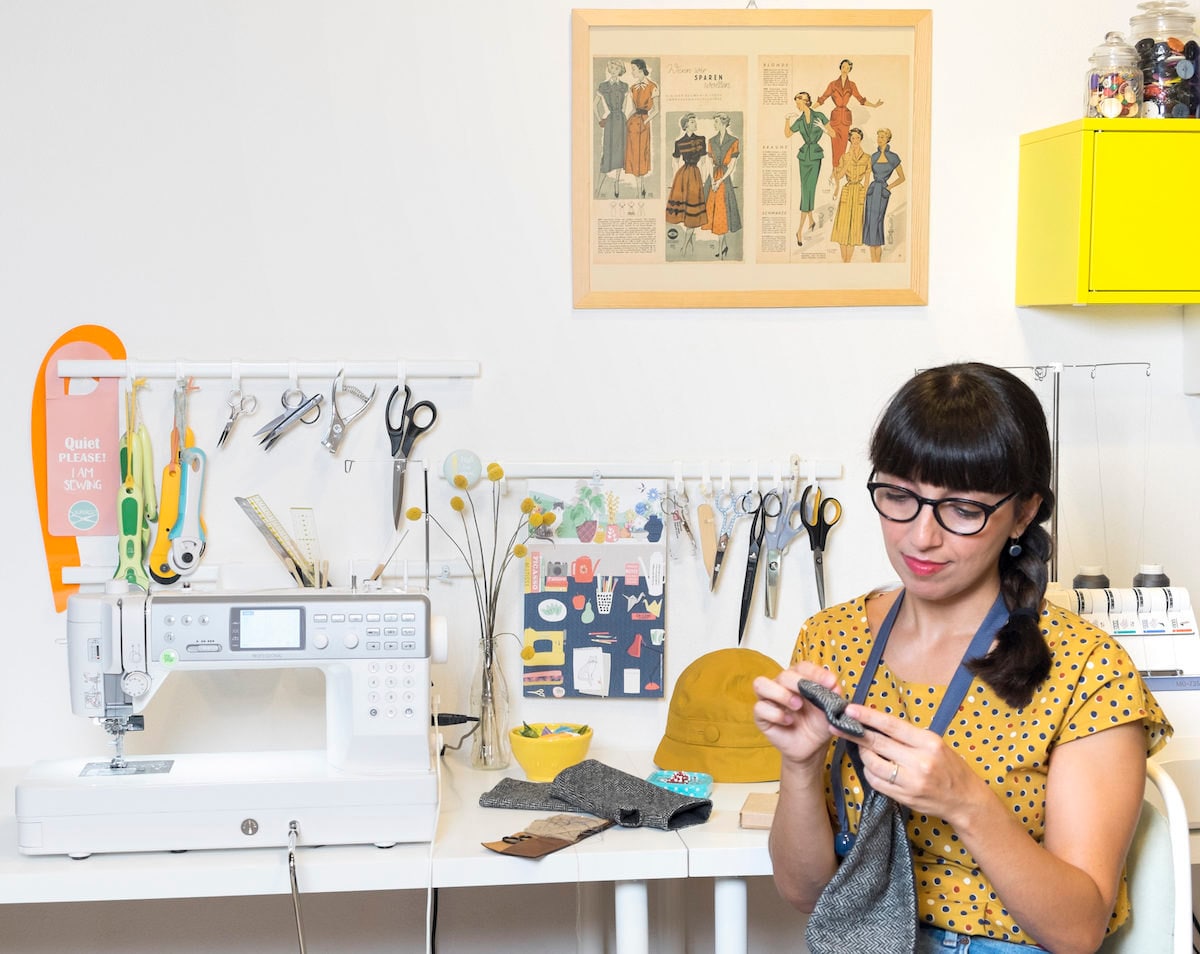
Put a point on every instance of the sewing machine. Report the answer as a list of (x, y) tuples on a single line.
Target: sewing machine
[(374, 783)]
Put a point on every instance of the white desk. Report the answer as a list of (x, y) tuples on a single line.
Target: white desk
[(627, 857), (720, 850)]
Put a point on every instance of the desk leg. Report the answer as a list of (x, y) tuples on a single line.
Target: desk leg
[(729, 909), (632, 917)]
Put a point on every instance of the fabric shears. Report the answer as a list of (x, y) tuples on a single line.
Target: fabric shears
[(415, 420), (337, 422), (777, 538), (296, 406), (239, 404), (768, 505), (817, 518)]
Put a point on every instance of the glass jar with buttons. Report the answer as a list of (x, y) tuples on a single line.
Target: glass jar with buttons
[(1114, 80), (1164, 36)]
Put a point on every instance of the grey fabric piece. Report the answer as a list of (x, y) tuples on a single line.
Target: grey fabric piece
[(870, 903), (833, 704), (602, 790)]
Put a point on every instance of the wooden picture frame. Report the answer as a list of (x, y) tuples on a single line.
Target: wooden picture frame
[(744, 218)]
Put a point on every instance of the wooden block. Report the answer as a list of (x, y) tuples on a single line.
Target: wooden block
[(758, 810)]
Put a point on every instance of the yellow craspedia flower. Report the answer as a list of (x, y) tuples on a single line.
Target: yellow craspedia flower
[(535, 521), (520, 551), (527, 505), (495, 472), (458, 504), (413, 513), (460, 481), (547, 519)]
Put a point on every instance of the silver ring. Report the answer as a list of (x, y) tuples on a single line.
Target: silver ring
[(895, 772)]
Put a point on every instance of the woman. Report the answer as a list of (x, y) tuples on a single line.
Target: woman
[(841, 91), (643, 107), (685, 203), (608, 105), (721, 206), (884, 163), (1019, 818), (848, 219), (810, 125)]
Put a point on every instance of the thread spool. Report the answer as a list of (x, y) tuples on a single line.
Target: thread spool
[(1091, 578), (1151, 574)]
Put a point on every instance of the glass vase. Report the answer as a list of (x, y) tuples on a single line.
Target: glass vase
[(489, 704)]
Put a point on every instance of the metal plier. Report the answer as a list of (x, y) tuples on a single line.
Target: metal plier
[(296, 405), (337, 422)]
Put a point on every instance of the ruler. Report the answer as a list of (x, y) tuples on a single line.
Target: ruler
[(304, 522), (277, 538)]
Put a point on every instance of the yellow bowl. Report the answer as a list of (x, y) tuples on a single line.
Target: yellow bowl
[(547, 755)]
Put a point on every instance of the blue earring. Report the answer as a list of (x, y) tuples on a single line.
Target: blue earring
[(1015, 548)]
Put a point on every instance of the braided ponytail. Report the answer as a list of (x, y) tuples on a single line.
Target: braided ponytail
[(1020, 659)]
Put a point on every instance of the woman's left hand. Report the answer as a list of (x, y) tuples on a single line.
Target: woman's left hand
[(914, 766)]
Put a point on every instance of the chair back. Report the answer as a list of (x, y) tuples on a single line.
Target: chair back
[(1159, 873)]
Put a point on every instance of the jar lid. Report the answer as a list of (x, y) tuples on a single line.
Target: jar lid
[(1114, 51), (1162, 15)]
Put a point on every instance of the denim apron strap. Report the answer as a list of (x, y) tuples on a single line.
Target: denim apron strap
[(960, 682)]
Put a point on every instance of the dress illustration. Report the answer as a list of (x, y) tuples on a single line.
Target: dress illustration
[(637, 140), (685, 203), (882, 166), (841, 91), (809, 155), (722, 207), (612, 151), (848, 220)]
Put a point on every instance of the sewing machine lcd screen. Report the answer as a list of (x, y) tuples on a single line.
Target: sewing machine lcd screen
[(258, 627)]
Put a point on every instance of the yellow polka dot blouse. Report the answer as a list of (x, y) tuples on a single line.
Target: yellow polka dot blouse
[(1093, 685)]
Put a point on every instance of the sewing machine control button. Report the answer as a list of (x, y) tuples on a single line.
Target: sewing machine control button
[(373, 645), (390, 667), (372, 682), (409, 617), (169, 620), (350, 640), (373, 712), (372, 697), (409, 631), (391, 647), (320, 641), (409, 645), (408, 713), (390, 617), (372, 617), (203, 648), (320, 618), (355, 617), (390, 713), (337, 617), (169, 657), (135, 683), (205, 620)]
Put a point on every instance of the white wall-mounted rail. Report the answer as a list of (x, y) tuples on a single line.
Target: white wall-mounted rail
[(75, 368)]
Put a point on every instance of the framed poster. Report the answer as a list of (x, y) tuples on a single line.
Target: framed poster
[(750, 158)]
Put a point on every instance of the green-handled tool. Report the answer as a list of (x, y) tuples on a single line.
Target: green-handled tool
[(132, 518)]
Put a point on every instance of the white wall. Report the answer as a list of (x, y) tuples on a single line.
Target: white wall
[(368, 180)]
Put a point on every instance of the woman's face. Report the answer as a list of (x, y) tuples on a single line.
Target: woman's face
[(845, 68), (938, 565), (856, 139), (802, 101), (636, 72), (719, 125), (691, 125), (881, 139)]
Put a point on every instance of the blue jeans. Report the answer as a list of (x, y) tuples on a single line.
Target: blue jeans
[(940, 941)]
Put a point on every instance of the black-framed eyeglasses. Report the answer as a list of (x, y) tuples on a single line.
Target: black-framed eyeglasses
[(960, 515)]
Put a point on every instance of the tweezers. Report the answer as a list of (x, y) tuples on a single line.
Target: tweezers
[(834, 706)]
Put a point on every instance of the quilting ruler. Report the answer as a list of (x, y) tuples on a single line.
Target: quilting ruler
[(278, 538)]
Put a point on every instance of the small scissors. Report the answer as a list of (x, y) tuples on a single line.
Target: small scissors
[(403, 436), (778, 537), (239, 404), (727, 505), (768, 505), (296, 404), (817, 519), (674, 506)]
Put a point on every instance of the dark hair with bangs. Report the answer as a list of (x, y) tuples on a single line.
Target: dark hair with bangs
[(974, 427)]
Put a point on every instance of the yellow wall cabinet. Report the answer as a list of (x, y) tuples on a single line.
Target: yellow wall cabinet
[(1108, 212)]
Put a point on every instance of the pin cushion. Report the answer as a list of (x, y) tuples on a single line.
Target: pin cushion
[(546, 748), (695, 784)]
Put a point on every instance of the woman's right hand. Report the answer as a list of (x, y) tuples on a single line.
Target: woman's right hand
[(793, 725)]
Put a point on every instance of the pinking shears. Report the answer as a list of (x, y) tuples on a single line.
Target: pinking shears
[(818, 517), (783, 529), (768, 505), (415, 419)]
